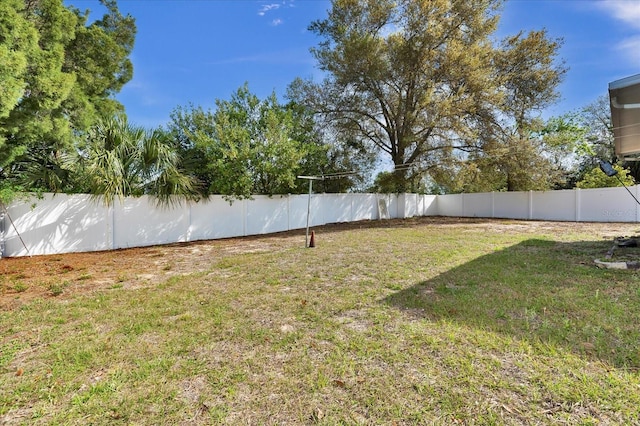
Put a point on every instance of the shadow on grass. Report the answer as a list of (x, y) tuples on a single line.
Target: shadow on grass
[(540, 291)]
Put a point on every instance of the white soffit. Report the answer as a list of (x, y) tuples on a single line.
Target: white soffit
[(624, 96)]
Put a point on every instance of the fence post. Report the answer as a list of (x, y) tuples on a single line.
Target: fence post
[(350, 209), (2, 248), (462, 212), (577, 198), (493, 204), (190, 224), (244, 218), (111, 217), (288, 212)]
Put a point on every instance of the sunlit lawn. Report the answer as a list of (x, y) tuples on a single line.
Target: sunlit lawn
[(422, 322)]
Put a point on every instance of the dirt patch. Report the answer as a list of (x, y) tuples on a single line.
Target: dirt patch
[(23, 279)]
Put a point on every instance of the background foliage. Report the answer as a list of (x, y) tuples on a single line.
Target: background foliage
[(425, 88)]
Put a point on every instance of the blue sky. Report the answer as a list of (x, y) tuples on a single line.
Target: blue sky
[(196, 51)]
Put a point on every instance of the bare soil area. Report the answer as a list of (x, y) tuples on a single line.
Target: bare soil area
[(23, 279)]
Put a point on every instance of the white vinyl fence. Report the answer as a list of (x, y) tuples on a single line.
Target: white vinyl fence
[(75, 223), (579, 205)]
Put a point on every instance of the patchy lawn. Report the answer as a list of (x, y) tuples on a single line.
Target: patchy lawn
[(421, 321)]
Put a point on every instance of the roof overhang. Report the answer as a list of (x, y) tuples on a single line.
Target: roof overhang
[(624, 97)]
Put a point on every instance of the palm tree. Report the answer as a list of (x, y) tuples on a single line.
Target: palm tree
[(123, 160)]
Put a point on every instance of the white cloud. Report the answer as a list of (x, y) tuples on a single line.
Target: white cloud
[(275, 6), (630, 48), (277, 22), (269, 7), (626, 11)]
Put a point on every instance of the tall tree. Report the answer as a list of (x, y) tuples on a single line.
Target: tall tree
[(73, 71), (416, 80), (404, 74), (44, 85), (343, 161), (18, 44), (512, 164), (528, 73), (513, 139), (595, 119), (99, 57)]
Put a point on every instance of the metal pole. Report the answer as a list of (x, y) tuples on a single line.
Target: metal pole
[(311, 179), (306, 239), (6, 214), (608, 170), (625, 187), (2, 233)]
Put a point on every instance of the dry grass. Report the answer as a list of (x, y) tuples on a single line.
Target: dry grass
[(423, 321)]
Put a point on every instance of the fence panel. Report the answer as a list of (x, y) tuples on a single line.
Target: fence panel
[(267, 215), (141, 222), (336, 208), (477, 205), (555, 205), (217, 218), (511, 205), (450, 205), (429, 205), (300, 206), (409, 206), (73, 222), (607, 205), (364, 207)]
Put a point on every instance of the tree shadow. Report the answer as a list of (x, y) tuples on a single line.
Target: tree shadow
[(540, 291)]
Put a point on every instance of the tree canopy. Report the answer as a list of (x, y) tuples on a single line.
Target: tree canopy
[(421, 81), (425, 85), (59, 79), (246, 146), (596, 178), (249, 145)]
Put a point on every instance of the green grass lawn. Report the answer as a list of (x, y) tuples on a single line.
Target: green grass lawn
[(424, 322)]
